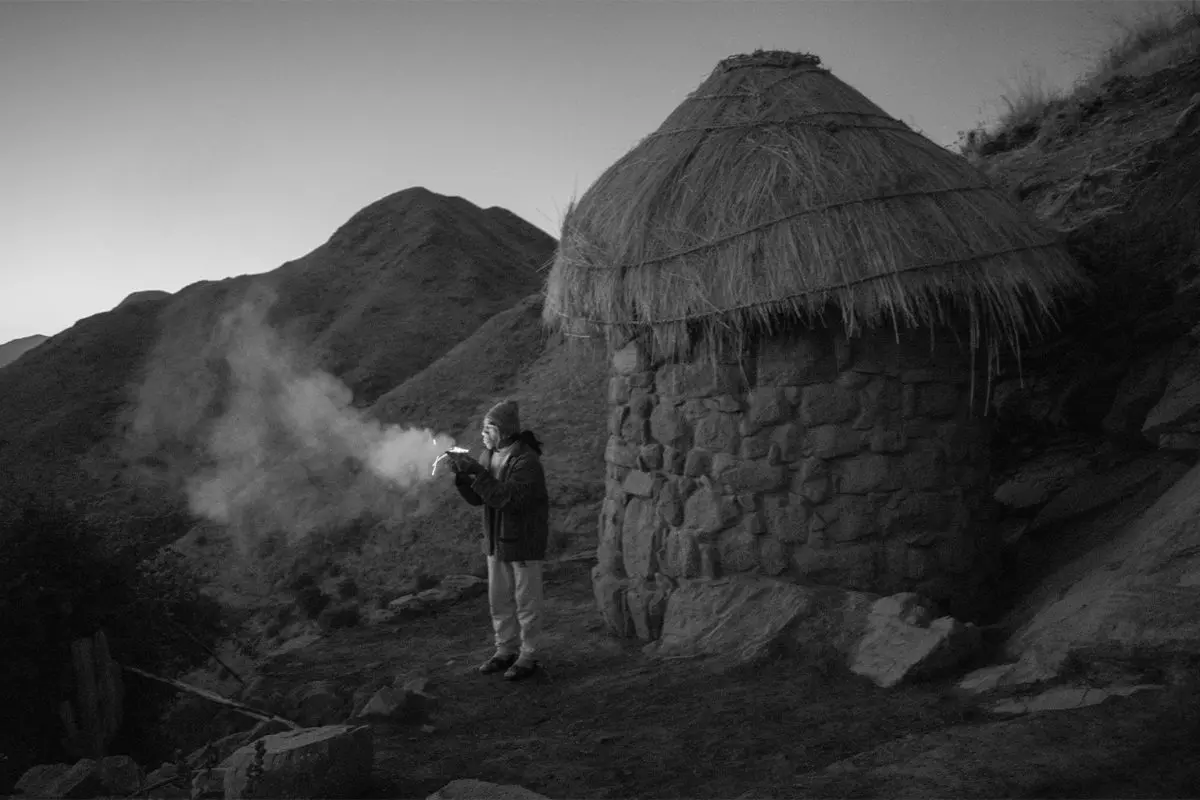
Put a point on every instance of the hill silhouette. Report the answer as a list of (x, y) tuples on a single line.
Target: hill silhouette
[(11, 351), (133, 391)]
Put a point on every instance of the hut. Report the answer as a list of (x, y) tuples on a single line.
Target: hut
[(803, 300)]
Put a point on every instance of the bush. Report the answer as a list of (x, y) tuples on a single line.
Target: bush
[(61, 580)]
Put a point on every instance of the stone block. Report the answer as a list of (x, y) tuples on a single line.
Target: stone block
[(816, 491), (699, 462), (616, 419), (695, 409), (722, 463), (856, 519), (831, 441), (915, 514), (668, 426), (639, 483), (641, 402), (647, 603), (630, 359), (717, 433), (333, 761), (615, 474), (698, 379), (826, 404), (773, 556), (768, 406), (620, 453), (642, 380), (785, 518), (879, 404), (618, 390), (669, 503), (640, 538), (738, 550), (650, 457), (853, 379), (887, 439), (609, 593), (867, 472), (756, 446), (752, 521), (727, 404), (893, 651), (673, 460), (681, 556), (788, 438), (850, 567), (754, 476), (707, 512), (635, 429)]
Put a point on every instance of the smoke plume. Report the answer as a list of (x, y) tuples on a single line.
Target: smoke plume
[(288, 454)]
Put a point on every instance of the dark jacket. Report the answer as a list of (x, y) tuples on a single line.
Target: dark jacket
[(516, 506)]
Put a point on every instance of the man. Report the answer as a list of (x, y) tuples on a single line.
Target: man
[(511, 487)]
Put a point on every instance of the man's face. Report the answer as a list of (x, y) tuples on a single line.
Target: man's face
[(491, 436)]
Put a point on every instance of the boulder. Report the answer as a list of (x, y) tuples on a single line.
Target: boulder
[(333, 761), (79, 780), (1138, 594), (1039, 480), (409, 704), (468, 789), (901, 643), (1092, 491), (742, 618), (316, 703), (1178, 410), (120, 775)]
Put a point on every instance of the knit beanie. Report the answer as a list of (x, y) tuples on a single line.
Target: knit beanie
[(504, 416)]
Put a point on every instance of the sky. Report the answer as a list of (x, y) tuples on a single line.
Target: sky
[(147, 144)]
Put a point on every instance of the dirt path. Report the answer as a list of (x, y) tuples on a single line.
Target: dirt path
[(605, 721)]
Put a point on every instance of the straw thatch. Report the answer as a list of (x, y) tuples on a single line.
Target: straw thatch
[(776, 193)]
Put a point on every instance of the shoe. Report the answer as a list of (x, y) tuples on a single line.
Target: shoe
[(497, 663), (519, 671)]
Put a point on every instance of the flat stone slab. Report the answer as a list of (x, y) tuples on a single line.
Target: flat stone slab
[(1062, 698)]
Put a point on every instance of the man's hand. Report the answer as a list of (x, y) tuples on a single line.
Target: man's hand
[(465, 464)]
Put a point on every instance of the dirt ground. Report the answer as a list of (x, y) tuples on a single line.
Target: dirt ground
[(603, 720)]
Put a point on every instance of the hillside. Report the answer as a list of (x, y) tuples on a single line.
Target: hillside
[(11, 351), (395, 287)]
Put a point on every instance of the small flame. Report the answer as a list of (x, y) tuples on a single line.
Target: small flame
[(438, 460)]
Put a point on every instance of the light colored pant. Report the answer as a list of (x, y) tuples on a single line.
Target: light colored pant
[(515, 600)]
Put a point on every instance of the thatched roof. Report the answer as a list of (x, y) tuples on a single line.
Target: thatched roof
[(777, 193)]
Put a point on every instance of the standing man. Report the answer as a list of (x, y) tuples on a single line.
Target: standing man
[(509, 483)]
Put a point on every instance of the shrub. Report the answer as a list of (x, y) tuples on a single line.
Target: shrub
[(61, 579)]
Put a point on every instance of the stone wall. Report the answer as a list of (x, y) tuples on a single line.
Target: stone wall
[(852, 463)]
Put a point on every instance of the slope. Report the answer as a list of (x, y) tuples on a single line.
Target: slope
[(11, 351)]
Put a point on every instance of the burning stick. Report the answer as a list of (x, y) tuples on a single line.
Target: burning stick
[(447, 454)]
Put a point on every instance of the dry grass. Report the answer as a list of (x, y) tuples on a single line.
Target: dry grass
[(1162, 37), (775, 194)]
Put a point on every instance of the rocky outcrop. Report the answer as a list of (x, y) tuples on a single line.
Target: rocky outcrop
[(1140, 594), (333, 761), (115, 775), (902, 642)]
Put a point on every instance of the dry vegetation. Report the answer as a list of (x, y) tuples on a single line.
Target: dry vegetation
[(1163, 37)]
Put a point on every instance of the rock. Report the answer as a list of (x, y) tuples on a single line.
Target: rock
[(410, 703), (315, 704), (609, 592), (1094, 491), (1077, 753), (297, 643), (1037, 481), (450, 590), (996, 676), (1139, 593), (167, 791), (79, 780), (901, 644), (466, 586), (333, 762), (1065, 697), (469, 789), (1179, 408), (742, 618)]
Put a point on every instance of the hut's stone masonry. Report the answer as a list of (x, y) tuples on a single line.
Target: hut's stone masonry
[(826, 460)]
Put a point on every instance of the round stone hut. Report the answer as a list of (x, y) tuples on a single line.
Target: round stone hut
[(804, 301)]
